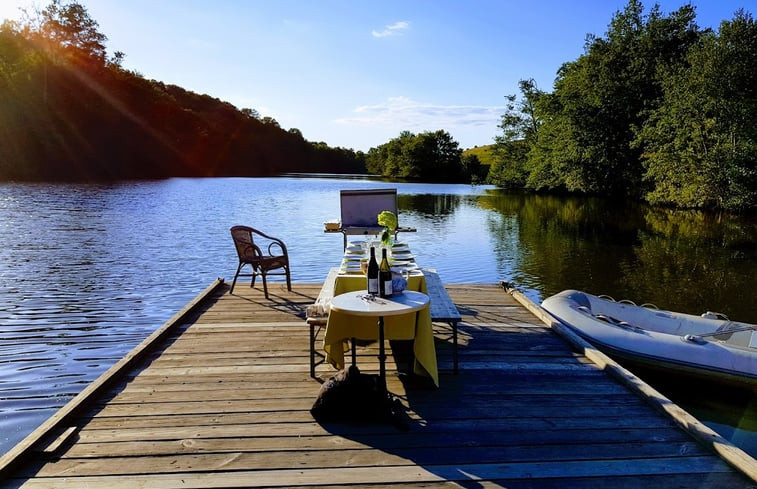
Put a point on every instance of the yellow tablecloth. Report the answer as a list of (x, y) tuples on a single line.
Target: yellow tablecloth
[(414, 326)]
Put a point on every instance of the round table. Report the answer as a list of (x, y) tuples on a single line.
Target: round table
[(360, 303)]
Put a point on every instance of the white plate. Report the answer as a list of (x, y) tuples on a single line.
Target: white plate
[(403, 256), (401, 269), (354, 249), (352, 272)]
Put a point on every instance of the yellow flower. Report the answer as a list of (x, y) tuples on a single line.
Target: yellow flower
[(388, 219)]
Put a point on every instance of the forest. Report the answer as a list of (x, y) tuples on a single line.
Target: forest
[(656, 110), (72, 113)]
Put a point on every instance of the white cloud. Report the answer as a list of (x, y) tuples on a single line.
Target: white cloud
[(395, 29), (403, 113)]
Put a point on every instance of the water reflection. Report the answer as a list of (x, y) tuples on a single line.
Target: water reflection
[(692, 261), (430, 206), (684, 261)]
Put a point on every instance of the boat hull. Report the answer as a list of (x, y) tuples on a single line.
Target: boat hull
[(717, 350)]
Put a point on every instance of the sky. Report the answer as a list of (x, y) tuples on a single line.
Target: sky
[(356, 73)]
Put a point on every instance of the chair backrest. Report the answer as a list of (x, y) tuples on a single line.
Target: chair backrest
[(360, 208), (243, 242)]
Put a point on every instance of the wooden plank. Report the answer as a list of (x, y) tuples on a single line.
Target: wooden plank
[(462, 473), (384, 441), (362, 457)]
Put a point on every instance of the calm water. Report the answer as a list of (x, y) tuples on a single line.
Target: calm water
[(87, 271)]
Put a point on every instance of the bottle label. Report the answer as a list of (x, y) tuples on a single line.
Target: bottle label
[(388, 288), (373, 286)]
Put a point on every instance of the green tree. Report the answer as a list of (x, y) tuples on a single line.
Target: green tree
[(600, 98), (67, 25), (520, 127), (270, 121), (429, 156), (701, 143), (251, 113)]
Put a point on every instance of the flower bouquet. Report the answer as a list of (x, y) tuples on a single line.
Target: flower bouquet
[(389, 220)]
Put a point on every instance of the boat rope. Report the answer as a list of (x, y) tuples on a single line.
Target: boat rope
[(729, 331)]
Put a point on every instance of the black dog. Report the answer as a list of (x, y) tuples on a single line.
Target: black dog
[(352, 396)]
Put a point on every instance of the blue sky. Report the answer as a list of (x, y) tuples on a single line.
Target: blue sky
[(356, 73)]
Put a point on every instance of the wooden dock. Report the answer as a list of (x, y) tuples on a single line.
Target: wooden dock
[(220, 397)]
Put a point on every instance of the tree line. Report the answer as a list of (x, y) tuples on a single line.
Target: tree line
[(70, 112), (432, 156), (657, 109)]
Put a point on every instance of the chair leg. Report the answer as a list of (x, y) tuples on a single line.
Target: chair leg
[(313, 353), (265, 285), (454, 346), (312, 350), (239, 268), (289, 280)]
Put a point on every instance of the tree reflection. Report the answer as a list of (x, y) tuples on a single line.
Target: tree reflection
[(430, 206), (693, 261), (688, 261)]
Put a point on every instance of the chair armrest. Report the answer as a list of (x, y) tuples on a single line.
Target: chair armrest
[(280, 244)]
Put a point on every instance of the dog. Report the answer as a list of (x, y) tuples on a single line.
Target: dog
[(352, 396)]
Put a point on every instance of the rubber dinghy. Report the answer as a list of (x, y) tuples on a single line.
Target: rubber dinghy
[(709, 345)]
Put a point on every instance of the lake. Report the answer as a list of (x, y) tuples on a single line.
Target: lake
[(88, 270)]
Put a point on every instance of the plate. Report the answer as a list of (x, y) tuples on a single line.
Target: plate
[(353, 257), (403, 268), (403, 256), (352, 272), (354, 249)]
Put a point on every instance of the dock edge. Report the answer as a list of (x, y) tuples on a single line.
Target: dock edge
[(729, 452), (55, 426)]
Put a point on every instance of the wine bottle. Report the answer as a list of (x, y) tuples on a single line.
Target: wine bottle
[(373, 273), (385, 276)]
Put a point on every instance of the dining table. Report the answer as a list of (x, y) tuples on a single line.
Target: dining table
[(362, 304), (344, 326)]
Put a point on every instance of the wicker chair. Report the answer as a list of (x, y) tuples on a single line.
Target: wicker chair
[(262, 264)]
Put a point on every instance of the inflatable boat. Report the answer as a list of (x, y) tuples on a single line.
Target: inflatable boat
[(709, 346)]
